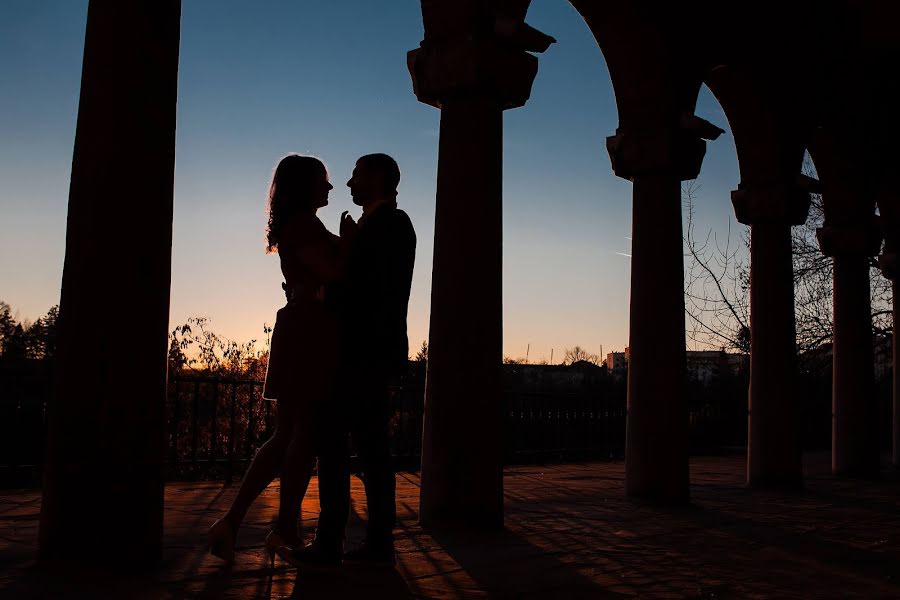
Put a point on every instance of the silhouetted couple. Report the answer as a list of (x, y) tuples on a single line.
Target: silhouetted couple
[(336, 346)]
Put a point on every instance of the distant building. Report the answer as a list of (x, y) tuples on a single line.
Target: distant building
[(617, 363), (704, 366), (818, 360), (552, 378)]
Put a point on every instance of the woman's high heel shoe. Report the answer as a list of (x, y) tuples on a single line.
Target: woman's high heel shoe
[(274, 541), (221, 540)]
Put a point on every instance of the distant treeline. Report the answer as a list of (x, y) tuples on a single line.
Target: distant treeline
[(27, 339)]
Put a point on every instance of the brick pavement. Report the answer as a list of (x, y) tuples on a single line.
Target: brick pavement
[(570, 533)]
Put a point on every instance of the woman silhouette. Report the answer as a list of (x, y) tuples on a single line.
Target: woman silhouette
[(303, 354)]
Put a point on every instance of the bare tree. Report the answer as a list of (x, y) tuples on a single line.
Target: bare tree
[(716, 283), (813, 272), (195, 346), (579, 354), (509, 360)]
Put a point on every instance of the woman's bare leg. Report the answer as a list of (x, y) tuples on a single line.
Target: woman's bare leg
[(298, 466), (264, 467)]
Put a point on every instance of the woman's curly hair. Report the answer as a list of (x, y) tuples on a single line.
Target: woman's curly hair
[(292, 184)]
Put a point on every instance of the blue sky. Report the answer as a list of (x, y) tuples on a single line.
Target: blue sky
[(258, 80)]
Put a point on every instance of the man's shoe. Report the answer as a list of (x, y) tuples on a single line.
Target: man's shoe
[(312, 554), (380, 555)]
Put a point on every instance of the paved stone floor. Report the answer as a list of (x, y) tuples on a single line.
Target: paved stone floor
[(570, 533)]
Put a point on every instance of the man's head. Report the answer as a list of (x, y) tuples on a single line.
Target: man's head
[(375, 178)]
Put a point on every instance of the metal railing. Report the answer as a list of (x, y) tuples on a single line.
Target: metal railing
[(214, 425), (24, 394), (542, 425)]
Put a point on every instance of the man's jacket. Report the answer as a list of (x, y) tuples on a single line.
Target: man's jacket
[(374, 298)]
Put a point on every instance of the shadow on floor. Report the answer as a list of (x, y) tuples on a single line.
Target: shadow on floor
[(35, 584), (505, 565), (350, 583)]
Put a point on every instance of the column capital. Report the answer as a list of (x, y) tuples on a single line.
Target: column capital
[(862, 238), (786, 203), (888, 202), (471, 67), (889, 263), (640, 152)]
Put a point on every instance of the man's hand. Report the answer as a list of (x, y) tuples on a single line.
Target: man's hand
[(349, 228)]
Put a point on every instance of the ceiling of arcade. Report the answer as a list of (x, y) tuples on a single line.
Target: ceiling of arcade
[(790, 76)]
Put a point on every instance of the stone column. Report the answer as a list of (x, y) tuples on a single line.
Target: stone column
[(890, 267), (895, 373), (774, 451), (472, 79), (462, 454), (854, 433), (103, 489), (656, 444)]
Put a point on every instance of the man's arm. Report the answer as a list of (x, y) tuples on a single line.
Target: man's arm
[(394, 278)]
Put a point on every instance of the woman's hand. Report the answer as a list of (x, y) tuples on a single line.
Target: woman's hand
[(349, 227)]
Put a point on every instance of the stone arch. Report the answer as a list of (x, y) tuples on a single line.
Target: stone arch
[(654, 87), (768, 142)]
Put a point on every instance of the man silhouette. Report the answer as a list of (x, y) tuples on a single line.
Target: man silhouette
[(372, 304)]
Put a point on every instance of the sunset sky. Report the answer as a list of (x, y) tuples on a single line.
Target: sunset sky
[(261, 79)]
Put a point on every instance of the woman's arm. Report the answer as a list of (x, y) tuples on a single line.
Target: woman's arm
[(316, 248), (325, 258)]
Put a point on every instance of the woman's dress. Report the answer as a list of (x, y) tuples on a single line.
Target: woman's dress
[(304, 348)]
